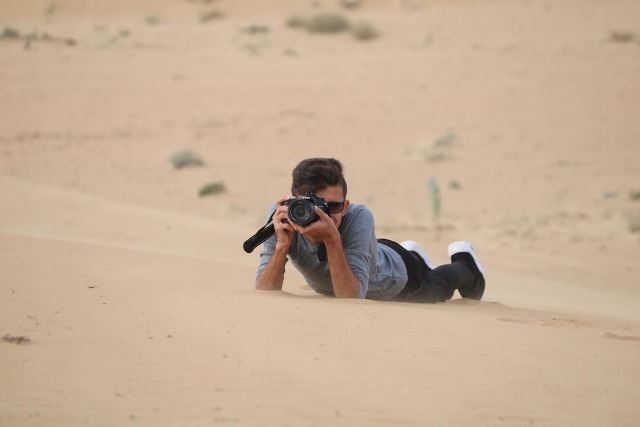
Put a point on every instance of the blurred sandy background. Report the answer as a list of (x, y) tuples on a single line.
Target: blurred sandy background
[(135, 294)]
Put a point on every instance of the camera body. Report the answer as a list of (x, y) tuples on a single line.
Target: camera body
[(302, 209)]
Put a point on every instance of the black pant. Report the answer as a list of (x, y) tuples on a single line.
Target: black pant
[(427, 285)]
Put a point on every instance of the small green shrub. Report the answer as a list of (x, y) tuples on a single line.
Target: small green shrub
[(446, 140), (10, 33), (351, 4), (185, 158), (454, 185), (18, 339), (436, 201), (364, 31), (152, 20), (621, 36), (327, 23), (254, 29), (634, 195), (211, 15), (212, 188), (297, 21)]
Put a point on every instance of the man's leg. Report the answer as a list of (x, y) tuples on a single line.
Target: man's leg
[(439, 284), (464, 274), (427, 284), (470, 286)]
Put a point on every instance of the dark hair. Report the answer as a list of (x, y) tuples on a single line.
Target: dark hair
[(316, 174)]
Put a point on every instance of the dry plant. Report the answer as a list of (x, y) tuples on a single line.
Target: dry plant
[(621, 36), (351, 4), (364, 31), (436, 200), (327, 23), (185, 158), (151, 20), (211, 15), (255, 29), (296, 21), (16, 339), (212, 188)]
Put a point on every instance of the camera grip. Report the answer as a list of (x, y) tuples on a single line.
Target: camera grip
[(257, 239)]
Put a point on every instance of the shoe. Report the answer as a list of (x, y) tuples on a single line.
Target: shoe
[(412, 245), (463, 251)]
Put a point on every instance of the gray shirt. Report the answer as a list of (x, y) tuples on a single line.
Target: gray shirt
[(379, 269)]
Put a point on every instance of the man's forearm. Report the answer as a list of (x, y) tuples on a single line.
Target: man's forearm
[(272, 277), (345, 284)]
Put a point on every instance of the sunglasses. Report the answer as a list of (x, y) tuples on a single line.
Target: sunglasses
[(335, 207)]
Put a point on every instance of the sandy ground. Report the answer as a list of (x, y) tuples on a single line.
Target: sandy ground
[(135, 294)]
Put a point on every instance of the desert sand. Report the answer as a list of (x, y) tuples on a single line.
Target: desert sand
[(126, 298)]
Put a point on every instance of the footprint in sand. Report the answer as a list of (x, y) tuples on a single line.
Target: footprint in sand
[(561, 322), (613, 336), (523, 321), (556, 322)]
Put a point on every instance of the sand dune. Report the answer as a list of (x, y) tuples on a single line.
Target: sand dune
[(134, 293)]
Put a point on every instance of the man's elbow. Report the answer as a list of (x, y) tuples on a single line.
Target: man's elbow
[(355, 293), (352, 296), (265, 285)]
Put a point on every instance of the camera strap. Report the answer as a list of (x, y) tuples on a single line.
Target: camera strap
[(267, 231), (260, 237)]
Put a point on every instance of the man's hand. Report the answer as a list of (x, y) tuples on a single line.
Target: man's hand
[(323, 230), (284, 230), (273, 275)]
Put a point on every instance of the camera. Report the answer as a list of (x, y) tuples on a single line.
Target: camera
[(302, 209)]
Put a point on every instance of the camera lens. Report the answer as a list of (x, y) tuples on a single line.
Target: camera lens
[(301, 212)]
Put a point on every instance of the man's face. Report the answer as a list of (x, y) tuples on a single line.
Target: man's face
[(334, 194)]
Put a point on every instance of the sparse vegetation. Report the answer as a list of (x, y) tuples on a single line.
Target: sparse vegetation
[(211, 15), (332, 23), (446, 140), (64, 40), (185, 158), (151, 20), (438, 151), (454, 185), (621, 36), (364, 31), (212, 188), (327, 23), (10, 33), (50, 9), (351, 4), (16, 339), (255, 29), (436, 201), (634, 195), (296, 21)]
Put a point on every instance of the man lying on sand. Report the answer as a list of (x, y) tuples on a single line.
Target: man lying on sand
[(338, 253)]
